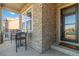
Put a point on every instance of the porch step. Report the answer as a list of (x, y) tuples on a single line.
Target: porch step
[(65, 50)]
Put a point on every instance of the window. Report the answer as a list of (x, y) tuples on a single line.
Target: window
[(69, 23), (27, 22)]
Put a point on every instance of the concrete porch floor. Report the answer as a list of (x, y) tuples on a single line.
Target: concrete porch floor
[(8, 49)]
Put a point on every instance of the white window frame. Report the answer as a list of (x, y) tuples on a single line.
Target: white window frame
[(25, 12)]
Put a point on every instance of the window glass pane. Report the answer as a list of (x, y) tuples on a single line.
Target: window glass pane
[(70, 19), (70, 32)]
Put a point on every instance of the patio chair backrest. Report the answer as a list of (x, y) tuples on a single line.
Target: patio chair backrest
[(20, 35)]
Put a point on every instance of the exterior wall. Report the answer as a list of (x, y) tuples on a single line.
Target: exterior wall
[(48, 26), (36, 41)]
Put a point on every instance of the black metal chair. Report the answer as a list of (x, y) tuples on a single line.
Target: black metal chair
[(1, 37), (19, 37), (11, 37)]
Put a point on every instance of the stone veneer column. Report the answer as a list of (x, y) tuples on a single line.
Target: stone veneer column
[(36, 41), (20, 21), (48, 26), (44, 26)]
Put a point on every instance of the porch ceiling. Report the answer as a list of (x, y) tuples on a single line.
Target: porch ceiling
[(16, 7)]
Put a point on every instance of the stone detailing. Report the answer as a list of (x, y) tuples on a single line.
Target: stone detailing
[(44, 27), (48, 26), (36, 41)]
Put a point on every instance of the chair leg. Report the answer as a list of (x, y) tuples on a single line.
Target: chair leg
[(16, 45), (11, 39), (25, 45), (20, 42)]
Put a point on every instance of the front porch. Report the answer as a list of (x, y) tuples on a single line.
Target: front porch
[(8, 49), (45, 27)]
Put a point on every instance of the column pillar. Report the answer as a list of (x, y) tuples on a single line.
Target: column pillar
[(1, 34), (44, 26), (20, 21)]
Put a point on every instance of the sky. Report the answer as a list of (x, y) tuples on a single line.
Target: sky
[(13, 23), (13, 16), (7, 13)]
